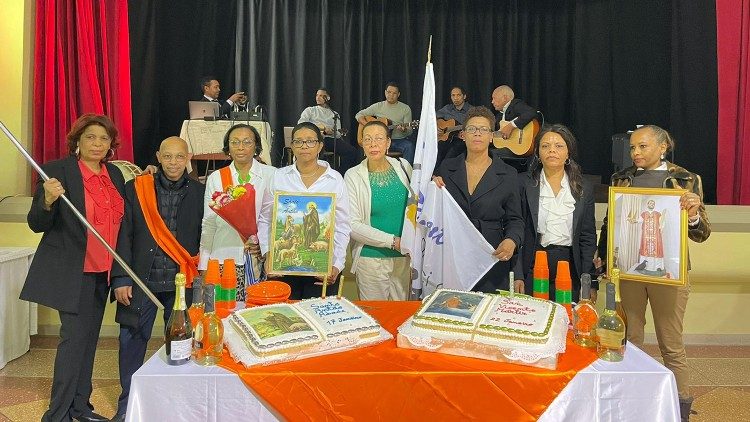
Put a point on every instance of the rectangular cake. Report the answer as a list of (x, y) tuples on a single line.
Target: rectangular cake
[(452, 312), (275, 329), (338, 317), (523, 319)]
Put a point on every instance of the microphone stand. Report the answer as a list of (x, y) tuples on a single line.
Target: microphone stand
[(83, 220), (336, 118)]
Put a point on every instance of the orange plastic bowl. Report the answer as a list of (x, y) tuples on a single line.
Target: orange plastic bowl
[(267, 292)]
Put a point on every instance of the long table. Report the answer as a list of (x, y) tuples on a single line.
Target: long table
[(206, 138), (636, 389)]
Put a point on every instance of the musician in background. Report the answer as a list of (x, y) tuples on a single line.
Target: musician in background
[(399, 114), (211, 89), (322, 116), (455, 110), (513, 113)]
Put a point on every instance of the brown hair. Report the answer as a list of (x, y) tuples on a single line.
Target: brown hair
[(86, 120), (481, 111)]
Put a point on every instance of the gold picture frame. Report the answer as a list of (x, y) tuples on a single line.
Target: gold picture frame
[(647, 235), (302, 233)]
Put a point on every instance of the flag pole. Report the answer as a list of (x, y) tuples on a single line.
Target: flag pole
[(83, 220), (429, 51)]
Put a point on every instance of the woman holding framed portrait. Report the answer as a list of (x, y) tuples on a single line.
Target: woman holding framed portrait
[(648, 147), (558, 210), (314, 195)]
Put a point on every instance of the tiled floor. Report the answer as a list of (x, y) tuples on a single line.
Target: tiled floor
[(720, 381)]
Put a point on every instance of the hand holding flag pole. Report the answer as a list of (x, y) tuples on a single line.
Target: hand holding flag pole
[(83, 220)]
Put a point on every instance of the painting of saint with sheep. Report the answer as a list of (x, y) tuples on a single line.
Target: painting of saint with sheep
[(302, 234)]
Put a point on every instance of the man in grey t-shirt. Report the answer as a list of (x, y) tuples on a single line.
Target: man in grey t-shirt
[(399, 114)]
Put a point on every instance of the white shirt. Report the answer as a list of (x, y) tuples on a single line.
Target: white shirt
[(505, 110), (218, 239), (555, 213), (319, 115), (288, 179)]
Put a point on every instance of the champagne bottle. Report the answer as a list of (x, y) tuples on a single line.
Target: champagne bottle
[(178, 337), (610, 330), (196, 308), (618, 301), (585, 317), (209, 334)]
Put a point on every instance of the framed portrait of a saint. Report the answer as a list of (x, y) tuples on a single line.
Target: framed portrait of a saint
[(302, 232), (647, 235)]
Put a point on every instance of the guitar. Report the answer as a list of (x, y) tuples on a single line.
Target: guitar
[(414, 124), (521, 141), (342, 131), (446, 127)]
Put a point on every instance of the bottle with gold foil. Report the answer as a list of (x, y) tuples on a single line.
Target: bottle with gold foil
[(610, 331), (585, 316), (615, 279), (178, 336), (209, 333)]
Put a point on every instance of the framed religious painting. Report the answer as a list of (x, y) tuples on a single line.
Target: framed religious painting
[(302, 233), (647, 235)]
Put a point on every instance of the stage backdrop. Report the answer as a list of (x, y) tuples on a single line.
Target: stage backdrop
[(600, 67)]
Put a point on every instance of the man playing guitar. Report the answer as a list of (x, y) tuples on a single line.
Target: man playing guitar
[(450, 121), (323, 117), (514, 113), (398, 113)]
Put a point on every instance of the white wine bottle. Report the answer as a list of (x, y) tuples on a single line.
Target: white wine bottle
[(209, 334), (178, 335), (610, 331)]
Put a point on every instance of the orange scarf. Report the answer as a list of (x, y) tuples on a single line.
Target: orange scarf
[(226, 177), (146, 194)]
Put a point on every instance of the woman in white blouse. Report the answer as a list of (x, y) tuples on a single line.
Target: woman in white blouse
[(309, 175), (558, 208), (378, 190), (218, 239)]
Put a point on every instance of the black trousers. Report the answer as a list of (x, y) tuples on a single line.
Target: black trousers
[(555, 254), (74, 362), (495, 278), (304, 287), (348, 156)]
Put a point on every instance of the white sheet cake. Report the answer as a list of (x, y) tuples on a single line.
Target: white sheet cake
[(312, 325), (521, 318)]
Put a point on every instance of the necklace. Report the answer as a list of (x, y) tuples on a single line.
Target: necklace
[(242, 180), (315, 173), (383, 178)]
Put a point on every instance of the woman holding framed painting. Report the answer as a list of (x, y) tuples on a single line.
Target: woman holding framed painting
[(648, 147), (308, 204)]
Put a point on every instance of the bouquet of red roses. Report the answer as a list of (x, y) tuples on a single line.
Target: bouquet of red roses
[(236, 205)]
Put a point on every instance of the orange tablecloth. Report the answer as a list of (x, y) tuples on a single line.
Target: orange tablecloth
[(384, 382)]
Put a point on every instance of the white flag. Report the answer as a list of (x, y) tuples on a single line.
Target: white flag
[(446, 250), (413, 234), (456, 255)]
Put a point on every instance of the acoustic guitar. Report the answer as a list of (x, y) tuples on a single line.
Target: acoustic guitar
[(446, 127), (413, 124), (521, 141)]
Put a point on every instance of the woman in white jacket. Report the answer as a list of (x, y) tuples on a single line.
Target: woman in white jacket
[(378, 191), (218, 239)]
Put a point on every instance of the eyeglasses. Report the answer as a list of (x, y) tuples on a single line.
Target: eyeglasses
[(244, 142), (297, 143), (170, 157), (472, 129), (374, 141)]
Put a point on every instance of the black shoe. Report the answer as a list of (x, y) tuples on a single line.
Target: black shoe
[(118, 418), (686, 409), (92, 417), (641, 266)]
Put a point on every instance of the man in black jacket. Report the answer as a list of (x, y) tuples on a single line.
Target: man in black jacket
[(211, 89), (178, 201)]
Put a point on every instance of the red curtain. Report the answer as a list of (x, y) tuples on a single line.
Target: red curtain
[(733, 51), (81, 65)]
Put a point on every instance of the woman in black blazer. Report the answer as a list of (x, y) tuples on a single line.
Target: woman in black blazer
[(558, 210), (487, 192), (70, 270)]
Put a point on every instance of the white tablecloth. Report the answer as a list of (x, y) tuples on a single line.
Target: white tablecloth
[(636, 389), (207, 137), (18, 318)]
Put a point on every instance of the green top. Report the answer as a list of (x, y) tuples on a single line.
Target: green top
[(389, 197)]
